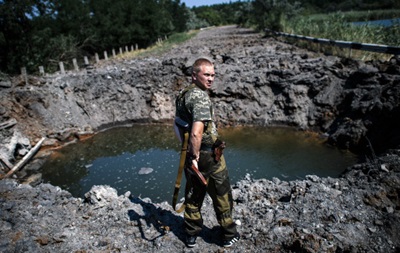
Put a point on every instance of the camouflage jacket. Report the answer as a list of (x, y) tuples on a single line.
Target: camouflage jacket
[(194, 104)]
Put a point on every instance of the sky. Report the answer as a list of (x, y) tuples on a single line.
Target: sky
[(197, 3)]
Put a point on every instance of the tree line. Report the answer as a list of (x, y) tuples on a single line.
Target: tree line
[(273, 14), (45, 32)]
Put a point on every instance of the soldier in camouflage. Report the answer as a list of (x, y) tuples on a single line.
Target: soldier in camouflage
[(193, 105)]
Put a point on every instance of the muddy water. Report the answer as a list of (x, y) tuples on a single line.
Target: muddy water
[(144, 159)]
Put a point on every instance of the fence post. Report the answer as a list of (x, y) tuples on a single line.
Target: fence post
[(113, 52), (120, 50), (137, 47), (126, 49), (105, 55), (132, 48), (75, 63), (24, 75), (96, 56), (62, 70), (41, 70), (86, 60)]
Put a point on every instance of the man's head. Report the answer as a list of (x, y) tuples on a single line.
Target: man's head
[(203, 73)]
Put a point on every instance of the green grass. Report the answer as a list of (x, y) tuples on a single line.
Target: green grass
[(163, 46), (354, 16), (337, 26)]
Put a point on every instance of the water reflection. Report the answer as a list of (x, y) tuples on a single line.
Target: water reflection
[(282, 152), (144, 159)]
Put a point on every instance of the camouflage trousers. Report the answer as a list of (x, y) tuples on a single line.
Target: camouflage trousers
[(218, 188)]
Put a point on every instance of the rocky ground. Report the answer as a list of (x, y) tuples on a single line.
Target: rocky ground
[(260, 81)]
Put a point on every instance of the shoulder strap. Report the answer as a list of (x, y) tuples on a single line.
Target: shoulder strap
[(180, 100), (179, 176), (184, 91)]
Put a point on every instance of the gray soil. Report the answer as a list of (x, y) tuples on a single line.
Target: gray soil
[(260, 81)]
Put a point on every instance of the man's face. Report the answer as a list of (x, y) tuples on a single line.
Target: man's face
[(205, 77)]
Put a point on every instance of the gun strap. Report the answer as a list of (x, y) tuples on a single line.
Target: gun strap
[(180, 171)]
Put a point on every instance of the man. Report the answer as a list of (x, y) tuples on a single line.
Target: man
[(193, 106)]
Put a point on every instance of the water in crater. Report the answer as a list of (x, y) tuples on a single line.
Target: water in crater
[(144, 159)]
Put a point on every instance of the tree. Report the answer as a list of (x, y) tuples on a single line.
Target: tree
[(209, 14), (271, 13), (194, 22), (177, 13), (44, 32), (15, 27), (64, 33)]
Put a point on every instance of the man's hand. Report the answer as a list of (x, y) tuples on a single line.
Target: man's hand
[(200, 176), (196, 135), (195, 163)]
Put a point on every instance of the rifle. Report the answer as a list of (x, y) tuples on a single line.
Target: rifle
[(182, 128)]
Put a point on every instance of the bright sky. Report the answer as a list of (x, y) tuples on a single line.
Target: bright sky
[(197, 3)]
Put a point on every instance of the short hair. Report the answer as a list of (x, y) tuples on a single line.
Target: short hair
[(200, 62)]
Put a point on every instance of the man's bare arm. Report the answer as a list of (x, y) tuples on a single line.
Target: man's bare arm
[(195, 138)]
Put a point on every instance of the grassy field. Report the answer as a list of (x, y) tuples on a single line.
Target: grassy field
[(354, 16), (161, 46), (338, 26)]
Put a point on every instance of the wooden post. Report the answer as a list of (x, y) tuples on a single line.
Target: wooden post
[(86, 60), (41, 70), (24, 75), (132, 48), (62, 70), (96, 56), (137, 47), (105, 55), (120, 50), (113, 52), (126, 49), (75, 63)]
